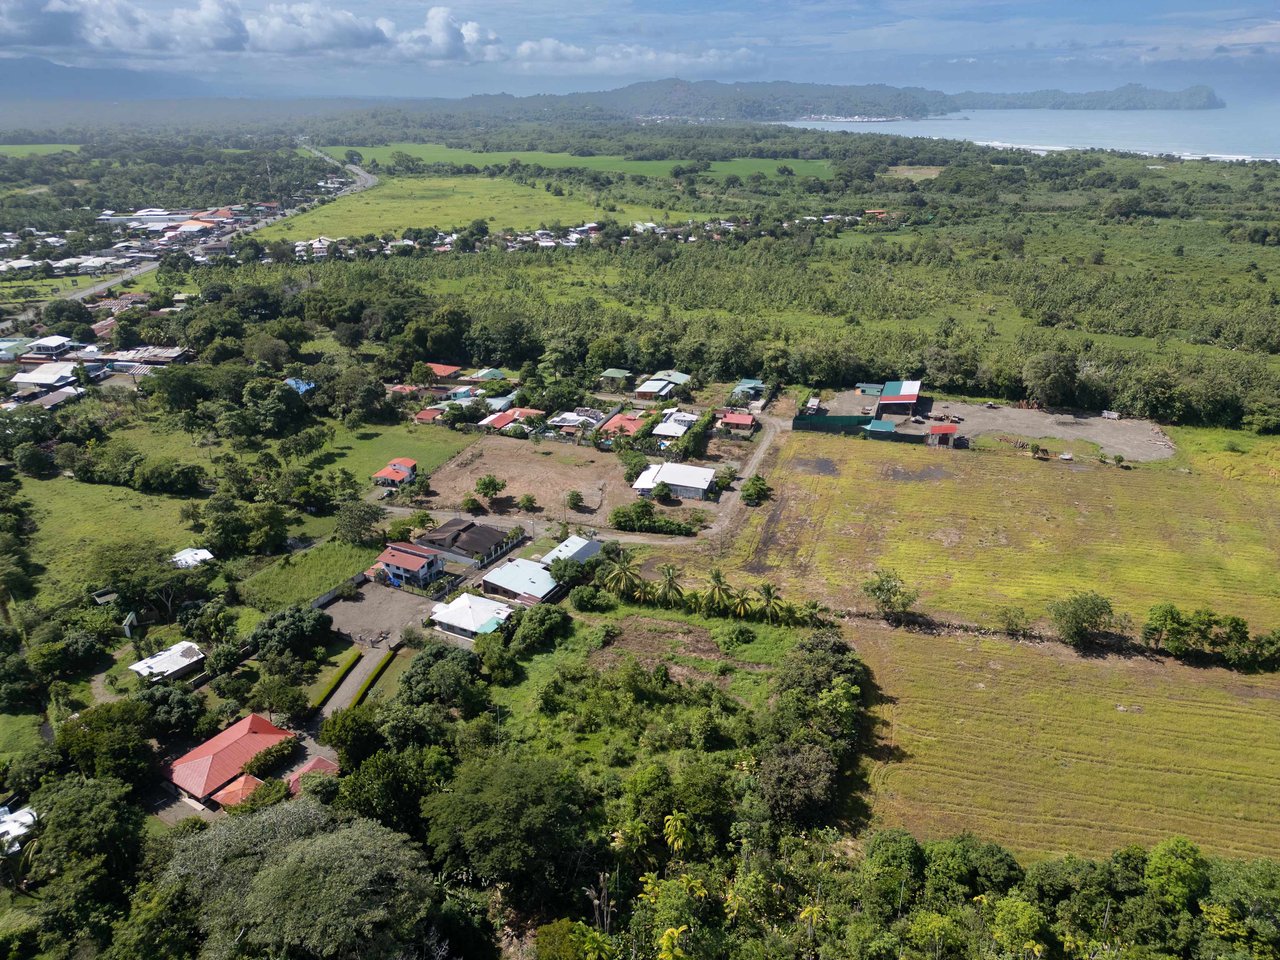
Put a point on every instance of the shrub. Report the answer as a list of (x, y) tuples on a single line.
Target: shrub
[(573, 499), (470, 504), (589, 599), (271, 758), (756, 491), (641, 517), (527, 503), (731, 636), (540, 627), (1082, 617), (892, 597)]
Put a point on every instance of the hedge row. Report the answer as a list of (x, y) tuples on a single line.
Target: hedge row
[(322, 697), (370, 680)]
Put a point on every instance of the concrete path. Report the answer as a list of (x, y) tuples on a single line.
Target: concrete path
[(347, 690)]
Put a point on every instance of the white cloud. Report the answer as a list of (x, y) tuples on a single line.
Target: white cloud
[(310, 27)]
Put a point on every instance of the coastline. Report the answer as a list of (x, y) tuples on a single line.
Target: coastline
[(1250, 134)]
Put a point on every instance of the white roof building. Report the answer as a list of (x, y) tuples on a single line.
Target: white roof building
[(574, 548), (470, 615), (191, 557), (182, 657), (683, 479), (50, 375), (14, 826)]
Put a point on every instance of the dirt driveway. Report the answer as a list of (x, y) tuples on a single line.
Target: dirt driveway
[(1136, 440)]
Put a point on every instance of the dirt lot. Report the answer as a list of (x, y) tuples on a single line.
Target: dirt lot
[(378, 609), (1135, 440), (546, 470), (650, 641)]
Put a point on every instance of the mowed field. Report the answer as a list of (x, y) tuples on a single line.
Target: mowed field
[(1048, 752), (978, 530), (36, 149), (448, 202), (439, 153)]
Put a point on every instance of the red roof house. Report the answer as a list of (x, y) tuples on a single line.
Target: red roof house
[(738, 422), (429, 415), (237, 791), (314, 765), (408, 561), (397, 471), (443, 370), (625, 424), (218, 761)]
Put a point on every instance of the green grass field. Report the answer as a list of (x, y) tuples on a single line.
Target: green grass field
[(447, 202), (439, 153), (1049, 753), (389, 682), (979, 530), (18, 734), (301, 577), (36, 149), (74, 518)]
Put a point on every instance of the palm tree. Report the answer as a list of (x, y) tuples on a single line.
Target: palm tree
[(621, 575), (770, 602), (719, 593), (670, 592), (645, 592), (693, 601), (740, 605), (675, 830), (811, 613)]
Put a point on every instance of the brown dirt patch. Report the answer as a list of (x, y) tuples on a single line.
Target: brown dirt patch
[(817, 466), (903, 475), (650, 642)]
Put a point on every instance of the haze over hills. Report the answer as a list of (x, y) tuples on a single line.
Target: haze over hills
[(85, 96)]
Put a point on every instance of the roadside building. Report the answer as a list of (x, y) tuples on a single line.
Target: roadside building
[(615, 379), (410, 563), (739, 424), (685, 481), (397, 472), (468, 539), (574, 548), (898, 397), (523, 581)]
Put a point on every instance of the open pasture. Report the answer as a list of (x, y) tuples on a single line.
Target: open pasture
[(979, 530), (447, 202), (1047, 752), (439, 153), (36, 149)]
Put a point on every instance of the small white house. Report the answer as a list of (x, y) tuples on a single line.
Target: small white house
[(470, 616), (685, 481), (191, 557), (177, 661)]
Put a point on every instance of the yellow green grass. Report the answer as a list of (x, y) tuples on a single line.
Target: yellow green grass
[(75, 518), (1049, 753), (19, 733), (447, 202), (439, 153), (388, 682), (978, 530), (302, 577), (36, 149)]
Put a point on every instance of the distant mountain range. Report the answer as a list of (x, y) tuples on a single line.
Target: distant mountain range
[(38, 94), (32, 78), (780, 100)]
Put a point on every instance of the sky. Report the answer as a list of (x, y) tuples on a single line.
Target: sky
[(400, 48)]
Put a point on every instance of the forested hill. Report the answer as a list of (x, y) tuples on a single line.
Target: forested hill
[(779, 100)]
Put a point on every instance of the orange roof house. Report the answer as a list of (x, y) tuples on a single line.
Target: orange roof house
[(314, 765), (397, 471), (237, 791), (219, 760), (443, 370), (428, 415), (624, 424)]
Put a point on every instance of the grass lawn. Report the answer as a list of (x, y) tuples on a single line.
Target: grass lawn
[(979, 530), (439, 153), (36, 149), (338, 655), (446, 202), (74, 518), (1048, 753), (19, 732), (301, 577), (386, 686), (367, 449)]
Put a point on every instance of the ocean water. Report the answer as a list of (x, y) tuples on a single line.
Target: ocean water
[(1245, 131)]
